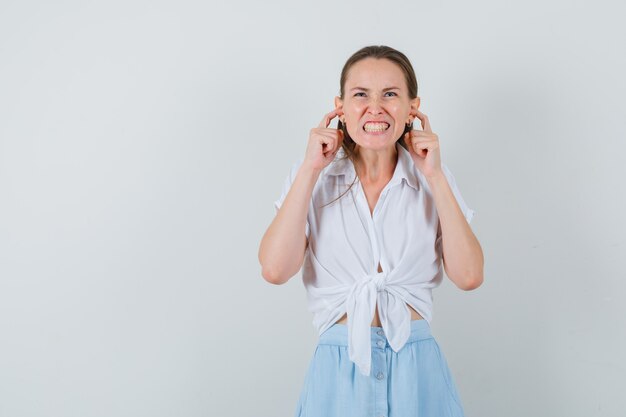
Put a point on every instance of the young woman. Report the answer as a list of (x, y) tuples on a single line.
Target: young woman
[(369, 213)]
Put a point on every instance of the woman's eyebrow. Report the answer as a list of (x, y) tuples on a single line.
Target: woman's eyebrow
[(367, 89)]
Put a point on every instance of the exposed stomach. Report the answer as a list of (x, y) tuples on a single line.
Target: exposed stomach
[(376, 320)]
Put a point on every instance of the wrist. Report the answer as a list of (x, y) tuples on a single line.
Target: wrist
[(310, 171), (436, 179)]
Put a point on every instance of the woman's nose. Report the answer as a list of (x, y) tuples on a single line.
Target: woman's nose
[(374, 106)]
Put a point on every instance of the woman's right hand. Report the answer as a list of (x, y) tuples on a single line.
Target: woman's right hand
[(324, 142)]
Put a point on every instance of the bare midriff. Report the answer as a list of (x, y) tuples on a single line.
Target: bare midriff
[(376, 320)]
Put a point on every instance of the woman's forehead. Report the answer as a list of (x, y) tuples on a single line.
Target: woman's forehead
[(375, 74)]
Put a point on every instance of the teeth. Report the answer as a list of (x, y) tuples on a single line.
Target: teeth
[(375, 127)]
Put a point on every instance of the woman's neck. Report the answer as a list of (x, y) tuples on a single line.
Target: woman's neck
[(375, 167)]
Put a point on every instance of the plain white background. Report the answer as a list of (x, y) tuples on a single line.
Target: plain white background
[(142, 144)]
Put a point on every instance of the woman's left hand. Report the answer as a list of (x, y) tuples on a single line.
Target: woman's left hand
[(423, 146)]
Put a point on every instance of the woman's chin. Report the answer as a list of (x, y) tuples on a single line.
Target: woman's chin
[(375, 143), (375, 136)]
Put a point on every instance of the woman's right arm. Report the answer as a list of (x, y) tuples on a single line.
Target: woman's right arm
[(283, 245)]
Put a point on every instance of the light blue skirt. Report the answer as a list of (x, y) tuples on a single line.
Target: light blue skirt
[(414, 382)]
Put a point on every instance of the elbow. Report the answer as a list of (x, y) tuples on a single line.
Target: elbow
[(271, 272), (278, 267), (273, 276), (268, 271), (472, 283), (474, 276)]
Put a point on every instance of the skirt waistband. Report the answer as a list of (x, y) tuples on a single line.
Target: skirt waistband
[(337, 334)]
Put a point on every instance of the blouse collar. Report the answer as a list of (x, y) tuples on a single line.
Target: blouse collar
[(405, 168)]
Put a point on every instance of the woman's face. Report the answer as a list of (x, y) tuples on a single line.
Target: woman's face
[(375, 90)]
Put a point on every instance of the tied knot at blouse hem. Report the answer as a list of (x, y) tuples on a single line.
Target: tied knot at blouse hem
[(361, 302)]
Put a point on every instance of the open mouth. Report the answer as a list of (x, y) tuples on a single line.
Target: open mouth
[(376, 127)]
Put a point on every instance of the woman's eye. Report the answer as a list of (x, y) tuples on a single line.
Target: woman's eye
[(388, 92)]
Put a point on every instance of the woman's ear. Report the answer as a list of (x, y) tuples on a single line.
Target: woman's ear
[(415, 104), (339, 103)]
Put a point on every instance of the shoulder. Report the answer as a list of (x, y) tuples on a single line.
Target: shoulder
[(340, 166), (422, 178)]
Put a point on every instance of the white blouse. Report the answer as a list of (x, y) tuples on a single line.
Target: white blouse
[(346, 243)]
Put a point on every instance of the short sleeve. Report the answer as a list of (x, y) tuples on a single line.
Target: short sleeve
[(467, 211), (286, 187)]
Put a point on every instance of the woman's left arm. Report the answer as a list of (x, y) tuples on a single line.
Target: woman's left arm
[(462, 255)]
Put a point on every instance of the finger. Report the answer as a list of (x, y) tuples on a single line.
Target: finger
[(331, 134), (420, 149), (423, 147), (330, 148), (424, 142), (337, 141), (330, 116), (424, 119), (408, 143), (413, 144), (328, 141), (334, 134), (422, 134)]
